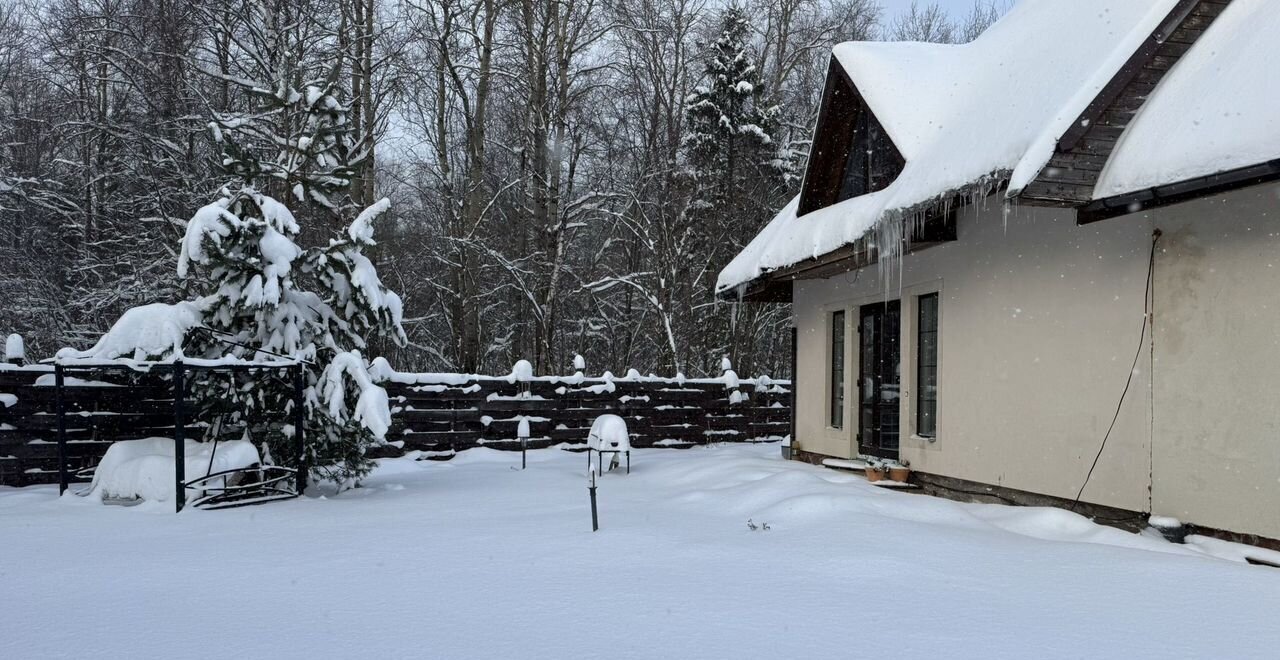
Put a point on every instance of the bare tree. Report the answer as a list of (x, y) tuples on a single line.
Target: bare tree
[(980, 17), (923, 23)]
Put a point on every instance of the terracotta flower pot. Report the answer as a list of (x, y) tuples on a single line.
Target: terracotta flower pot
[(876, 474), (901, 474)]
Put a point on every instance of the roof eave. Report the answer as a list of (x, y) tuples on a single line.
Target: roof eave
[(1069, 177)]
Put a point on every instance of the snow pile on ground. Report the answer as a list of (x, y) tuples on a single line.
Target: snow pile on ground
[(144, 332), (504, 557), (143, 469)]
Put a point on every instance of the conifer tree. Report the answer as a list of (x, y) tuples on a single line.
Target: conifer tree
[(739, 173), (265, 295), (730, 145)]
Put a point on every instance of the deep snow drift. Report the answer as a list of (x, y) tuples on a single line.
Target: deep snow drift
[(475, 558)]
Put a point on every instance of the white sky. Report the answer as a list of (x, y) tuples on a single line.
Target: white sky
[(957, 8)]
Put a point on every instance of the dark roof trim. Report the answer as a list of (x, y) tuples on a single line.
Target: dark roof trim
[(1128, 71), (1173, 193), (1071, 174)]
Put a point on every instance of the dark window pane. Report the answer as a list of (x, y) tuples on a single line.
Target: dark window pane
[(854, 181), (837, 370), (927, 366)]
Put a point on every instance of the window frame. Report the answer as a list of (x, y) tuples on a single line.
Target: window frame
[(837, 368), (918, 366)]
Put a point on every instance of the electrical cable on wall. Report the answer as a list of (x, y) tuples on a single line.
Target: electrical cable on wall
[(1147, 303)]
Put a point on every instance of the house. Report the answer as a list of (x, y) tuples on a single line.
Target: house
[(1044, 265)]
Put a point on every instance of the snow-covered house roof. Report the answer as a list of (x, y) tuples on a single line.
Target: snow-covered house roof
[(972, 116), (1217, 110)]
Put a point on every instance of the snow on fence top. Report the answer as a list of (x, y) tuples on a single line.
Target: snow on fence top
[(968, 116), (142, 333), (14, 350), (382, 371)]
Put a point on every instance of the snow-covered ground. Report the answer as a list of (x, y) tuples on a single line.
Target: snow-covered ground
[(474, 558)]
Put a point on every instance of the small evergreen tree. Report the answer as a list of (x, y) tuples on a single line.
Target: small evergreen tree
[(258, 304)]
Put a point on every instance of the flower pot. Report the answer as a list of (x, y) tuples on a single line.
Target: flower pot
[(900, 474), (875, 474)]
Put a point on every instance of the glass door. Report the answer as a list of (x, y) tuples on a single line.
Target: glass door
[(880, 368)]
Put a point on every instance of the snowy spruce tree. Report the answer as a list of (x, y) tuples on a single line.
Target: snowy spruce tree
[(733, 158), (739, 173), (264, 294)]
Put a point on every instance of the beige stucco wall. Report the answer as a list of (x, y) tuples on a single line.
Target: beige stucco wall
[(1216, 446), (1040, 322)]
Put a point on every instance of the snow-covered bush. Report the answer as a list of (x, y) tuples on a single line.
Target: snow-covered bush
[(151, 331)]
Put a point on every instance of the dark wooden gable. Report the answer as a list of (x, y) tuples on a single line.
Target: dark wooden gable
[(1069, 178), (852, 154)]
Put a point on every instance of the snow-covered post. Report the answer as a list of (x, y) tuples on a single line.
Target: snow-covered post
[(522, 432), (595, 518), (522, 373), (731, 382), (14, 350)]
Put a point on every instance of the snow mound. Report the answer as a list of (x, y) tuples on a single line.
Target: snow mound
[(143, 469), (150, 331)]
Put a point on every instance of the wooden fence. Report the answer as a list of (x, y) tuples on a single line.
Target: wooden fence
[(435, 414)]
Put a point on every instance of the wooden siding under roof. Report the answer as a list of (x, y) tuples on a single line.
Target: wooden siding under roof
[(1068, 180)]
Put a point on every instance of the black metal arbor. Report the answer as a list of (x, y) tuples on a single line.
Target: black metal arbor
[(223, 489)]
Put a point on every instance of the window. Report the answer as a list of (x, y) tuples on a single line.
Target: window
[(837, 370), (871, 163), (927, 365), (852, 154)]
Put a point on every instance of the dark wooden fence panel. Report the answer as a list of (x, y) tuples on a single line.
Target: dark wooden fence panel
[(437, 415), (99, 412), (441, 418)]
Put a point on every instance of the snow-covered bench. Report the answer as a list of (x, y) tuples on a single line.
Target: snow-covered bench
[(609, 436)]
